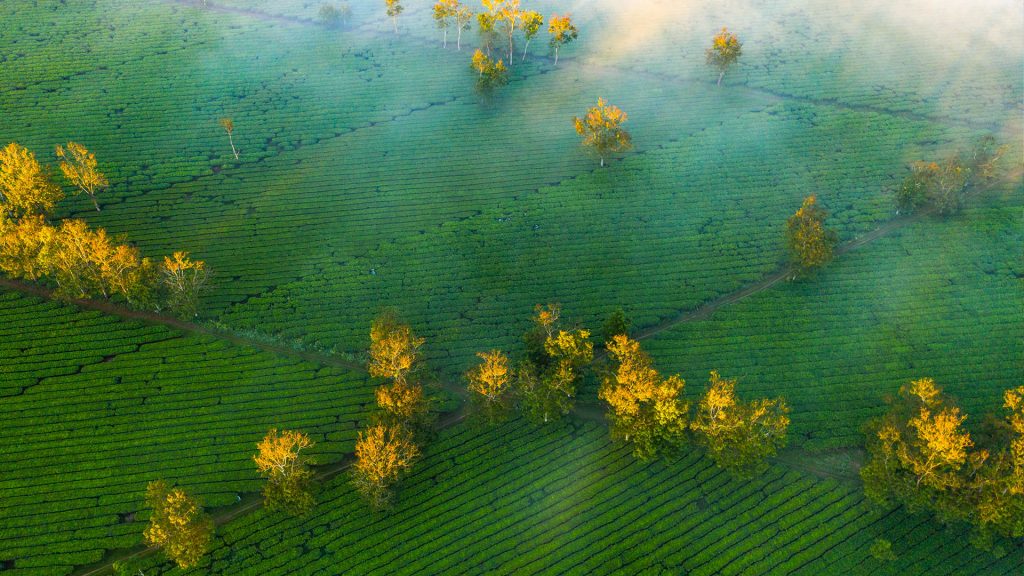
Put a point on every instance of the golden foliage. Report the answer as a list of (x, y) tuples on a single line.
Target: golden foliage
[(601, 129), (643, 407), (177, 524), (562, 32), (280, 454), (739, 436), (383, 454), (25, 189), (394, 349), (22, 246), (810, 244), (184, 279), (725, 50), (280, 458), (227, 124), (403, 402), (79, 167), (490, 378)]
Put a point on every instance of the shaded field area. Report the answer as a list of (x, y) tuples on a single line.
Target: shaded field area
[(521, 500), (96, 407)]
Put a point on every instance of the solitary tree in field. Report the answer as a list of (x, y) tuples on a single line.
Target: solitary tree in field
[(229, 126), (725, 51), (383, 455), (739, 436), (811, 244), (79, 167), (25, 188), (177, 524), (601, 129), (394, 8), (546, 380), (279, 457), (184, 279), (562, 32), (490, 384), (531, 23), (643, 408), (404, 404)]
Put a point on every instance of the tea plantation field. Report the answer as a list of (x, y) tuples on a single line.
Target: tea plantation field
[(371, 174), (939, 299), (95, 407), (521, 500)]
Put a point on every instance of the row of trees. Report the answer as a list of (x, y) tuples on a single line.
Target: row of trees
[(644, 409), (81, 261), (921, 456)]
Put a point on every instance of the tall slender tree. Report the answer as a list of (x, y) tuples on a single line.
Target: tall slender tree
[(79, 168), (562, 32)]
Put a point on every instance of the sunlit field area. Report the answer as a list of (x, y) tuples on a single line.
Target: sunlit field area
[(400, 286)]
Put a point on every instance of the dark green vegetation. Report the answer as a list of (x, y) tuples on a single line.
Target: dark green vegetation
[(95, 407), (516, 500), (371, 175)]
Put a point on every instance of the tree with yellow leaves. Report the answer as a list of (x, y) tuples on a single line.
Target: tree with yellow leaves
[(383, 455), (177, 524), (919, 453), (394, 355), (490, 74), (920, 456), (562, 32), (546, 379), (184, 280), (79, 168), (393, 9), (739, 436), (23, 244), (394, 349), (532, 22), (725, 51), (643, 408), (25, 188), (279, 457), (76, 257), (444, 13), (404, 404), (490, 383), (999, 483), (229, 126), (601, 129), (811, 245)]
